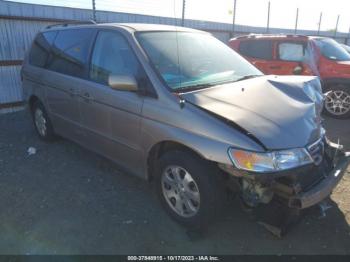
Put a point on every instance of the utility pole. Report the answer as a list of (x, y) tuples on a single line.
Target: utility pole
[(268, 18), (296, 22), (234, 17), (183, 12), (336, 26), (319, 24), (93, 10)]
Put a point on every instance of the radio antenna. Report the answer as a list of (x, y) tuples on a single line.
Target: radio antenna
[(177, 43)]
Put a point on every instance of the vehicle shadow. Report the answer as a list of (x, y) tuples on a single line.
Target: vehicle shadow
[(315, 233)]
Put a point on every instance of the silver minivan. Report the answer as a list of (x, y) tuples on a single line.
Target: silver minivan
[(178, 107)]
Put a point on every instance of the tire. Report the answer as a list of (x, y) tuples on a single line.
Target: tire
[(42, 123), (207, 182), (337, 102)]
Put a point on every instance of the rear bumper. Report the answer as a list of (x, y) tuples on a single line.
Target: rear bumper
[(323, 189)]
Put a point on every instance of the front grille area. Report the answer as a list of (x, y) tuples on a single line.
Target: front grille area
[(306, 177), (316, 150), (314, 175)]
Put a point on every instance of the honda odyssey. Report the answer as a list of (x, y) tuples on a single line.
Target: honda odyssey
[(178, 107)]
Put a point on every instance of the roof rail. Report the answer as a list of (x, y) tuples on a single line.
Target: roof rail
[(72, 23), (296, 35), (255, 35)]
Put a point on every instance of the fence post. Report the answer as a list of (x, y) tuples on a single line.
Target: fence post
[(234, 17), (296, 21), (93, 10), (336, 27), (268, 18), (319, 24), (183, 12)]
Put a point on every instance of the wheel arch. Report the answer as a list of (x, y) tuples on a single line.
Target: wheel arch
[(328, 83), (161, 148), (32, 100)]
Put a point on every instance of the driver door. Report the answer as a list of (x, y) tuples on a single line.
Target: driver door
[(112, 118)]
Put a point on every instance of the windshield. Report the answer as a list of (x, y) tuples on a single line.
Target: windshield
[(194, 60), (346, 47), (332, 50)]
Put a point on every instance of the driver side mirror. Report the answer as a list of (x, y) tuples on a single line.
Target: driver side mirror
[(298, 70), (123, 82)]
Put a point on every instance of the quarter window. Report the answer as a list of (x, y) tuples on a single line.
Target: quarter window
[(261, 49), (41, 48), (112, 55), (70, 52)]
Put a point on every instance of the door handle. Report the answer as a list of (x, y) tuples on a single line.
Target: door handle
[(87, 97), (72, 92)]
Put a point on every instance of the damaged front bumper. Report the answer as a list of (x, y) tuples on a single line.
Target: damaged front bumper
[(321, 190), (298, 188), (296, 194)]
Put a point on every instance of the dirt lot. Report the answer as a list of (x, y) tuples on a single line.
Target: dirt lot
[(67, 200)]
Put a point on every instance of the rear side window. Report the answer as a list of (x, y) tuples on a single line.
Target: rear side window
[(70, 52), (112, 55), (291, 51), (41, 48), (261, 49)]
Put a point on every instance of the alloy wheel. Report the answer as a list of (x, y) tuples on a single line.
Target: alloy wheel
[(338, 102)]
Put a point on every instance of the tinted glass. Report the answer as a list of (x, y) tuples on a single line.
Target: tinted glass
[(112, 55), (70, 52), (187, 60), (332, 50), (256, 48), (41, 48), (291, 51)]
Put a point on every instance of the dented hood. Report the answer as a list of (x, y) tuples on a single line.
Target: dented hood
[(280, 111)]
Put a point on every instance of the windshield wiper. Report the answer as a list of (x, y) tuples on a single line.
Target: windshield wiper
[(247, 77), (193, 87), (201, 86)]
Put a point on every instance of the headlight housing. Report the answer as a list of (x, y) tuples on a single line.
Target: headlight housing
[(265, 162)]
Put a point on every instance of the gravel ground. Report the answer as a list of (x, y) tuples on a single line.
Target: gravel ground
[(67, 200)]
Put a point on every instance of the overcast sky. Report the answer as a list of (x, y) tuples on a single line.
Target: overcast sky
[(249, 12)]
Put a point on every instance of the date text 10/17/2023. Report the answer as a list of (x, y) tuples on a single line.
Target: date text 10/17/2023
[(174, 258)]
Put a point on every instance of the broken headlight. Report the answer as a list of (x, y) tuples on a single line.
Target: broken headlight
[(269, 161)]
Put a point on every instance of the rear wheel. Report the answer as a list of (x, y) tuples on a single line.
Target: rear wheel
[(42, 122), (189, 188), (337, 102)]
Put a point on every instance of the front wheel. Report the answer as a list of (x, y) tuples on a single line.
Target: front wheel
[(337, 102), (189, 188)]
